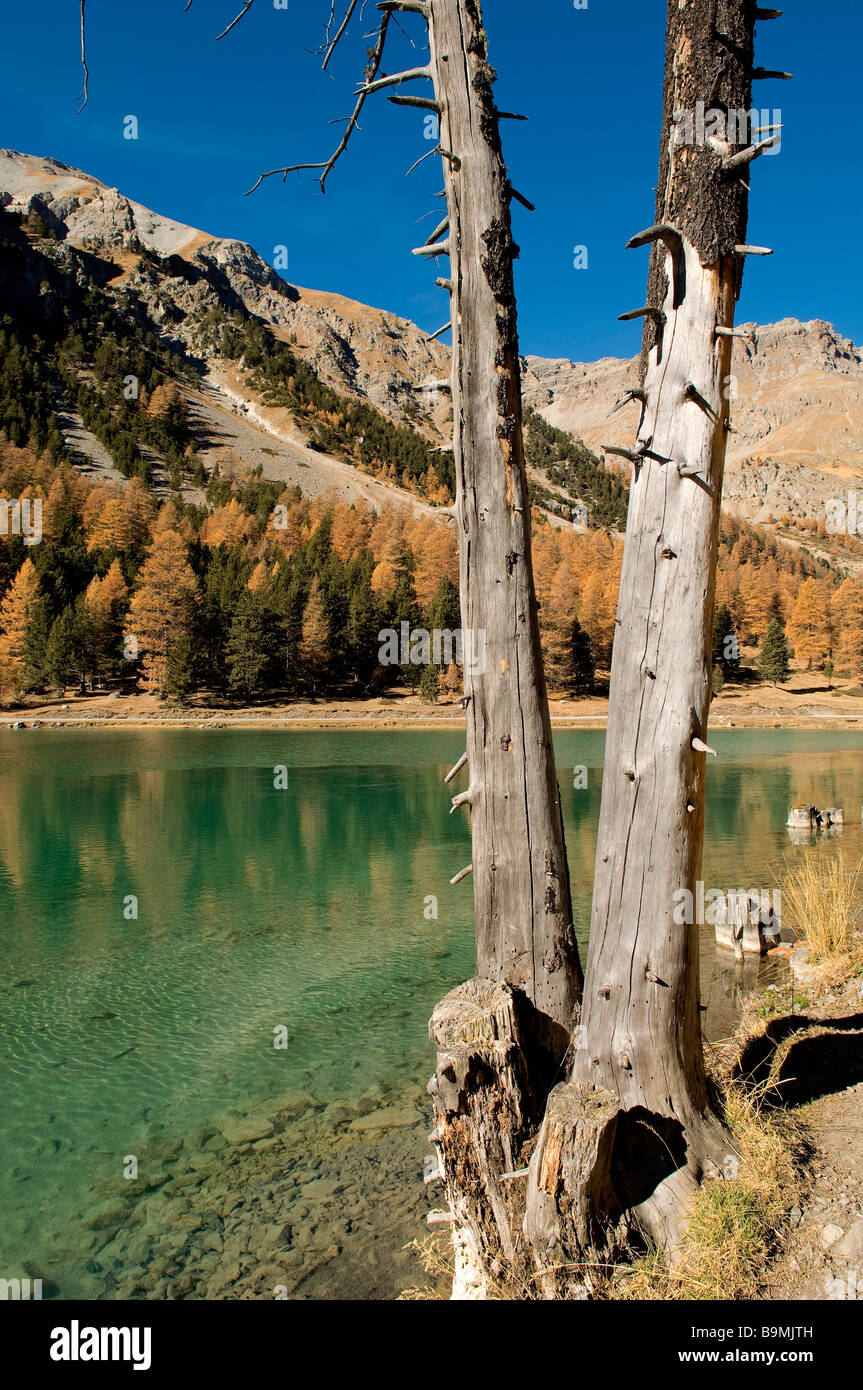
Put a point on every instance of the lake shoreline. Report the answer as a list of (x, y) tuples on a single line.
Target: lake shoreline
[(401, 721), (172, 907), (807, 701)]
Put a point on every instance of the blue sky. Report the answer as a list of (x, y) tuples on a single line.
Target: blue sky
[(212, 115)]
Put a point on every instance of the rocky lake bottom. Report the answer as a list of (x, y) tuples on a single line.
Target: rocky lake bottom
[(289, 1201), (322, 913)]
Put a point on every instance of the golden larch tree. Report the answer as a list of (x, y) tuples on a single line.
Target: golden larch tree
[(315, 641), (161, 609), (809, 631), (16, 611), (846, 607)]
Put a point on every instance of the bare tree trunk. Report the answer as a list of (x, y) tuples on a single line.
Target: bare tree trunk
[(521, 886), (502, 1036), (634, 1131)]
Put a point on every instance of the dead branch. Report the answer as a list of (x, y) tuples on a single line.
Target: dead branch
[(244, 11), (333, 44), (416, 164), (326, 166), (86, 91), (246, 7), (520, 198), (411, 75)]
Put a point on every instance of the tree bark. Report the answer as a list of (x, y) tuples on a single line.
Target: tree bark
[(640, 1041), (528, 972), (520, 879)]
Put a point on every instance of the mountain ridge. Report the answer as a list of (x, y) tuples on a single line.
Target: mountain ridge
[(797, 415)]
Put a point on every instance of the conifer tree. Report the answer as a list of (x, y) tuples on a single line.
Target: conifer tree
[(583, 669), (773, 663), (60, 653), (249, 649), (430, 684), (105, 603), (16, 611), (809, 632), (726, 654), (32, 676), (847, 612), (361, 637), (180, 668), (444, 614), (453, 679), (163, 603), (314, 647)]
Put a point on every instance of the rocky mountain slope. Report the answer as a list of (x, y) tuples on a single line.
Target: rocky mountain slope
[(798, 412), (352, 347)]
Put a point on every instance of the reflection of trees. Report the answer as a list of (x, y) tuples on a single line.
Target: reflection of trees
[(311, 897), (256, 906), (727, 796)]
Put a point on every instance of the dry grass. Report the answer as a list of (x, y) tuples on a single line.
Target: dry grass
[(734, 1223), (820, 902), (435, 1254)]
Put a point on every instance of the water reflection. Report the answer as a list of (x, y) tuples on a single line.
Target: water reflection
[(258, 906)]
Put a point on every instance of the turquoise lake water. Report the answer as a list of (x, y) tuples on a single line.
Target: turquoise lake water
[(261, 908)]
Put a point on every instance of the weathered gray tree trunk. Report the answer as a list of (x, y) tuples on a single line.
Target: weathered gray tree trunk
[(633, 1131), (521, 887), (502, 1036)]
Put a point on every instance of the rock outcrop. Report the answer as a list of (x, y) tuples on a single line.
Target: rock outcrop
[(797, 387), (366, 352), (797, 392)]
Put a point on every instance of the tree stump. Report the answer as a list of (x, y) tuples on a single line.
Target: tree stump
[(487, 1112), (571, 1202)]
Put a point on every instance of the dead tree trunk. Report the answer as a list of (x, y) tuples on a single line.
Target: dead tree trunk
[(639, 1048), (501, 1037), (521, 886)]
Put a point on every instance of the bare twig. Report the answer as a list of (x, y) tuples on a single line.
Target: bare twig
[(327, 166), (248, 5), (416, 165), (86, 92), (332, 45)]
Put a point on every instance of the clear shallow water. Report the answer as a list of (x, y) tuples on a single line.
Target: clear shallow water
[(260, 908)]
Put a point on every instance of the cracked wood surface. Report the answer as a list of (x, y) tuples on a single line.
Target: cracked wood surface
[(641, 1038), (521, 884)]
